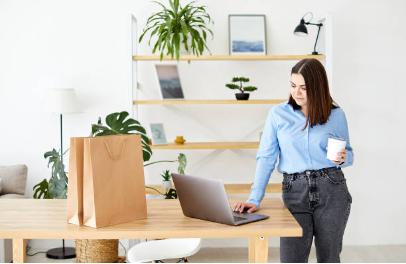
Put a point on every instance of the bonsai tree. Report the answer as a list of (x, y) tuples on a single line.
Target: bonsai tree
[(171, 23), (240, 87), (57, 186)]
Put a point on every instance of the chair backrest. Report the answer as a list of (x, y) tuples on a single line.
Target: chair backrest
[(14, 179)]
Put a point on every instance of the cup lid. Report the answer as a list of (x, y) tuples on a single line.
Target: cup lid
[(337, 138)]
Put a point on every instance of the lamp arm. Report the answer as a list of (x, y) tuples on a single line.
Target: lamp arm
[(308, 23), (318, 32)]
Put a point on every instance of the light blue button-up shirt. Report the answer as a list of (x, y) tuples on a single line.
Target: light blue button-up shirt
[(298, 150)]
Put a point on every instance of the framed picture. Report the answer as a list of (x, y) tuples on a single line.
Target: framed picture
[(247, 34), (158, 134), (169, 81)]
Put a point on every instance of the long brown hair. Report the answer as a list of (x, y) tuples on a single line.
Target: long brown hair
[(319, 101)]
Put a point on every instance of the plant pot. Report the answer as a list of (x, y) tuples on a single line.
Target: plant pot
[(242, 96), (166, 185), (182, 50)]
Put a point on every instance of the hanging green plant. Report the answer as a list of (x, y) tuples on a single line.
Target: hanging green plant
[(175, 25)]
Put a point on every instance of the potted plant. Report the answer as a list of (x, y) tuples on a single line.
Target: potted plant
[(166, 182), (242, 95), (176, 26), (56, 187)]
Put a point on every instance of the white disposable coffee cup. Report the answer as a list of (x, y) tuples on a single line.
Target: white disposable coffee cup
[(335, 145)]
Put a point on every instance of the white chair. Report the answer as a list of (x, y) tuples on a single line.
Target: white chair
[(156, 250)]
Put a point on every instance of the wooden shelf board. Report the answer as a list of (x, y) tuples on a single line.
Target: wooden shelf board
[(228, 57), (208, 145), (230, 188), (194, 102)]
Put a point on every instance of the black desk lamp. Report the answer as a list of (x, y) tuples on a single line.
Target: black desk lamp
[(301, 30)]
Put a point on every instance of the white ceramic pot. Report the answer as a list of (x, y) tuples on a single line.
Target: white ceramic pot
[(182, 50), (166, 185)]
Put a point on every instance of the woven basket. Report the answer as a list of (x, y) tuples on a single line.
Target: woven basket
[(96, 250)]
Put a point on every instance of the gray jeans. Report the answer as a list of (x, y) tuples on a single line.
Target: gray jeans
[(321, 203)]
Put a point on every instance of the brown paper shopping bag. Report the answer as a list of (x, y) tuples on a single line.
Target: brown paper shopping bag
[(106, 180), (75, 183), (113, 180)]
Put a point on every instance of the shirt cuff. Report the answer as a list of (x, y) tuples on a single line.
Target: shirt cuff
[(254, 202)]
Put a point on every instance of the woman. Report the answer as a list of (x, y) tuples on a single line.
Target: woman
[(314, 188)]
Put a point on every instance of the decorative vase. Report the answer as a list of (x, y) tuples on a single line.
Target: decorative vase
[(179, 140), (242, 96), (166, 185)]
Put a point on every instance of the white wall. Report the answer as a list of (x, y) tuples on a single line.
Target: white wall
[(85, 45)]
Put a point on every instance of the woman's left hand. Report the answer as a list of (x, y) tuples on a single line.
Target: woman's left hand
[(340, 156)]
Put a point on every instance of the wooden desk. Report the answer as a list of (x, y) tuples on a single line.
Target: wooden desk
[(46, 219)]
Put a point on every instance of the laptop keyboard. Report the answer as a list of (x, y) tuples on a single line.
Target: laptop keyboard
[(237, 219)]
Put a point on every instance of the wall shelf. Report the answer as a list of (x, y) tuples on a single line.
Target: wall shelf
[(227, 57), (209, 145), (230, 188), (196, 102)]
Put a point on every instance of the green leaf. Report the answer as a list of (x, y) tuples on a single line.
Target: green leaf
[(250, 88), (172, 5), (41, 190), (184, 29), (176, 40), (58, 188), (232, 86), (120, 123), (166, 176), (182, 163), (171, 194)]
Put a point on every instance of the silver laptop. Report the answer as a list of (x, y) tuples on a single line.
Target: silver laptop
[(207, 199)]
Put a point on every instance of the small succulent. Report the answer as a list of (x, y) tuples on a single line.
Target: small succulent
[(166, 176), (240, 87)]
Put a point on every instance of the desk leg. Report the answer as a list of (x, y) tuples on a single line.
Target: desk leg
[(258, 250), (19, 250)]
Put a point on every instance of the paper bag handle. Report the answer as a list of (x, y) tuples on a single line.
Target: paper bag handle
[(111, 154)]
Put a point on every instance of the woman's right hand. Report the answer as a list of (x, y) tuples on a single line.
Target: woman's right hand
[(240, 207)]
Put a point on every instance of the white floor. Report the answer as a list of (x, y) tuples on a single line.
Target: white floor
[(358, 254)]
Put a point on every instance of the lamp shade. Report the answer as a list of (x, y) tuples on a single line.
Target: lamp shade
[(301, 29), (61, 101)]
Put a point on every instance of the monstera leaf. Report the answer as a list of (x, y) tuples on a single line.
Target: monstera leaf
[(56, 187), (171, 194), (58, 169), (182, 163), (41, 190), (119, 123)]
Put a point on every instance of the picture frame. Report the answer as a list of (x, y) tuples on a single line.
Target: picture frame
[(247, 34), (158, 134), (169, 82)]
